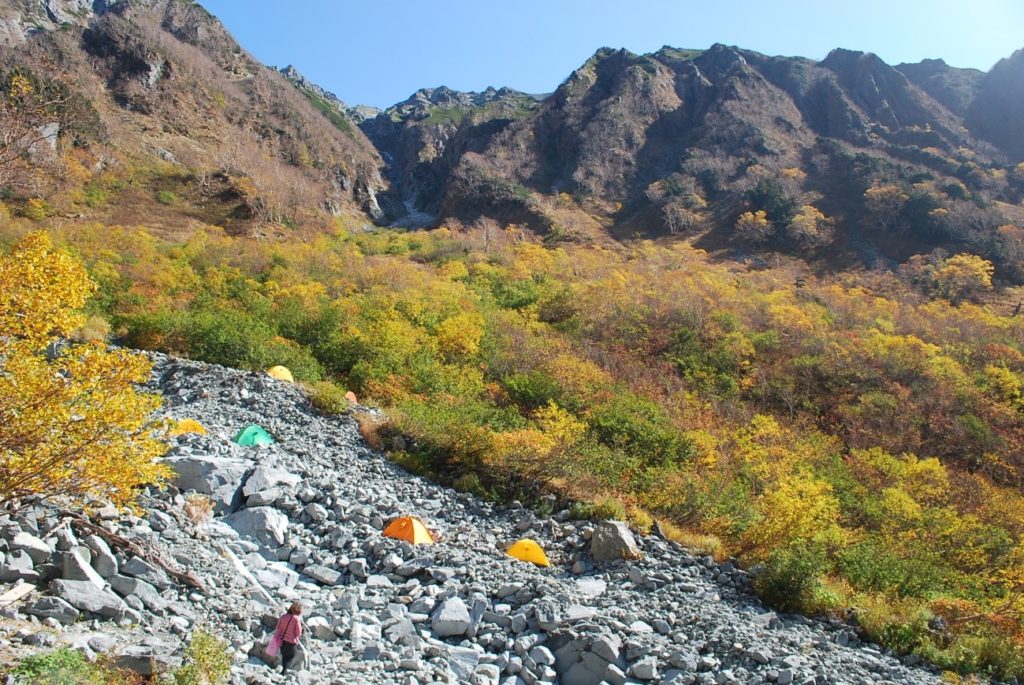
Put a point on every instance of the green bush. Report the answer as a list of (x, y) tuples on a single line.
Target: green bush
[(226, 336), (515, 294), (94, 195), (328, 397), (166, 197), (874, 565), (36, 209), (207, 661), (791, 577), (279, 351), (640, 428), (533, 389), (449, 435), (770, 196), (60, 667)]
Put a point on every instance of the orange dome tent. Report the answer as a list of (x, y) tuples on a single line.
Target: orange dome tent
[(281, 373), (410, 529), (528, 550)]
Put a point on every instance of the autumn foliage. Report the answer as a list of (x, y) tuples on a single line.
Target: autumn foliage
[(71, 422), (858, 437)]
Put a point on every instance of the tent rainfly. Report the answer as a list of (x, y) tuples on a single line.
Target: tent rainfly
[(528, 550), (410, 529), (253, 436), (281, 373)]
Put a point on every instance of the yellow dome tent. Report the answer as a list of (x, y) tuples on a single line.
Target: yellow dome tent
[(528, 550), (281, 373), (410, 529)]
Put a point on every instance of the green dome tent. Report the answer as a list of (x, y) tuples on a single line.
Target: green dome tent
[(253, 436)]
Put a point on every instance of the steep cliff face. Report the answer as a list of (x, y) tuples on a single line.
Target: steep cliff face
[(997, 113), (171, 84), (955, 88), (424, 137)]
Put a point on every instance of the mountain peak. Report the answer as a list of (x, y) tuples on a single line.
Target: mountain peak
[(299, 80)]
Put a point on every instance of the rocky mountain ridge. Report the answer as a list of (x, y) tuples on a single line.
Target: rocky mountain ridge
[(678, 142), (301, 520)]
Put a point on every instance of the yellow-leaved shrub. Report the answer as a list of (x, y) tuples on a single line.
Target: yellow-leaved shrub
[(72, 422)]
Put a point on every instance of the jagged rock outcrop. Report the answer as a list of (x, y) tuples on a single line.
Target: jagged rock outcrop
[(423, 138), (669, 142), (623, 122), (381, 611)]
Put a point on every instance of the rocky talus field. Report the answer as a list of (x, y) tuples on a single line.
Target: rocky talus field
[(301, 520)]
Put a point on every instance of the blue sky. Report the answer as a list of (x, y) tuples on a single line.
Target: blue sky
[(378, 53)]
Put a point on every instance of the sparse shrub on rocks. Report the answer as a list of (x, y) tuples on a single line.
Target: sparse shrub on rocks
[(198, 508), (66, 666), (698, 543), (184, 426), (207, 661), (605, 509)]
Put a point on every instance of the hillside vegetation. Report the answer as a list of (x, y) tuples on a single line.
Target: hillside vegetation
[(814, 362), (858, 438)]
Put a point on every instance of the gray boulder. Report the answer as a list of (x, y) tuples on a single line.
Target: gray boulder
[(462, 661), (146, 660), (134, 587), (322, 574), (76, 565), (266, 477), (451, 618), (613, 541), (263, 525), (142, 569), (17, 566), (103, 560), (84, 596), (55, 608), (219, 477), (38, 550)]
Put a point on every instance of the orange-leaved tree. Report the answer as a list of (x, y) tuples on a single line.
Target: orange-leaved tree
[(72, 422)]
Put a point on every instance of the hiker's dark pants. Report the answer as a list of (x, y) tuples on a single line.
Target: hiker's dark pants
[(287, 655)]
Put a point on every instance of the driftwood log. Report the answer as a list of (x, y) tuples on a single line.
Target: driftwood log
[(81, 522)]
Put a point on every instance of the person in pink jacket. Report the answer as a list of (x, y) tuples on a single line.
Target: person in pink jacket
[(288, 631)]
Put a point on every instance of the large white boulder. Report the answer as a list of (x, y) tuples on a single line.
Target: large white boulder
[(263, 525), (219, 477)]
